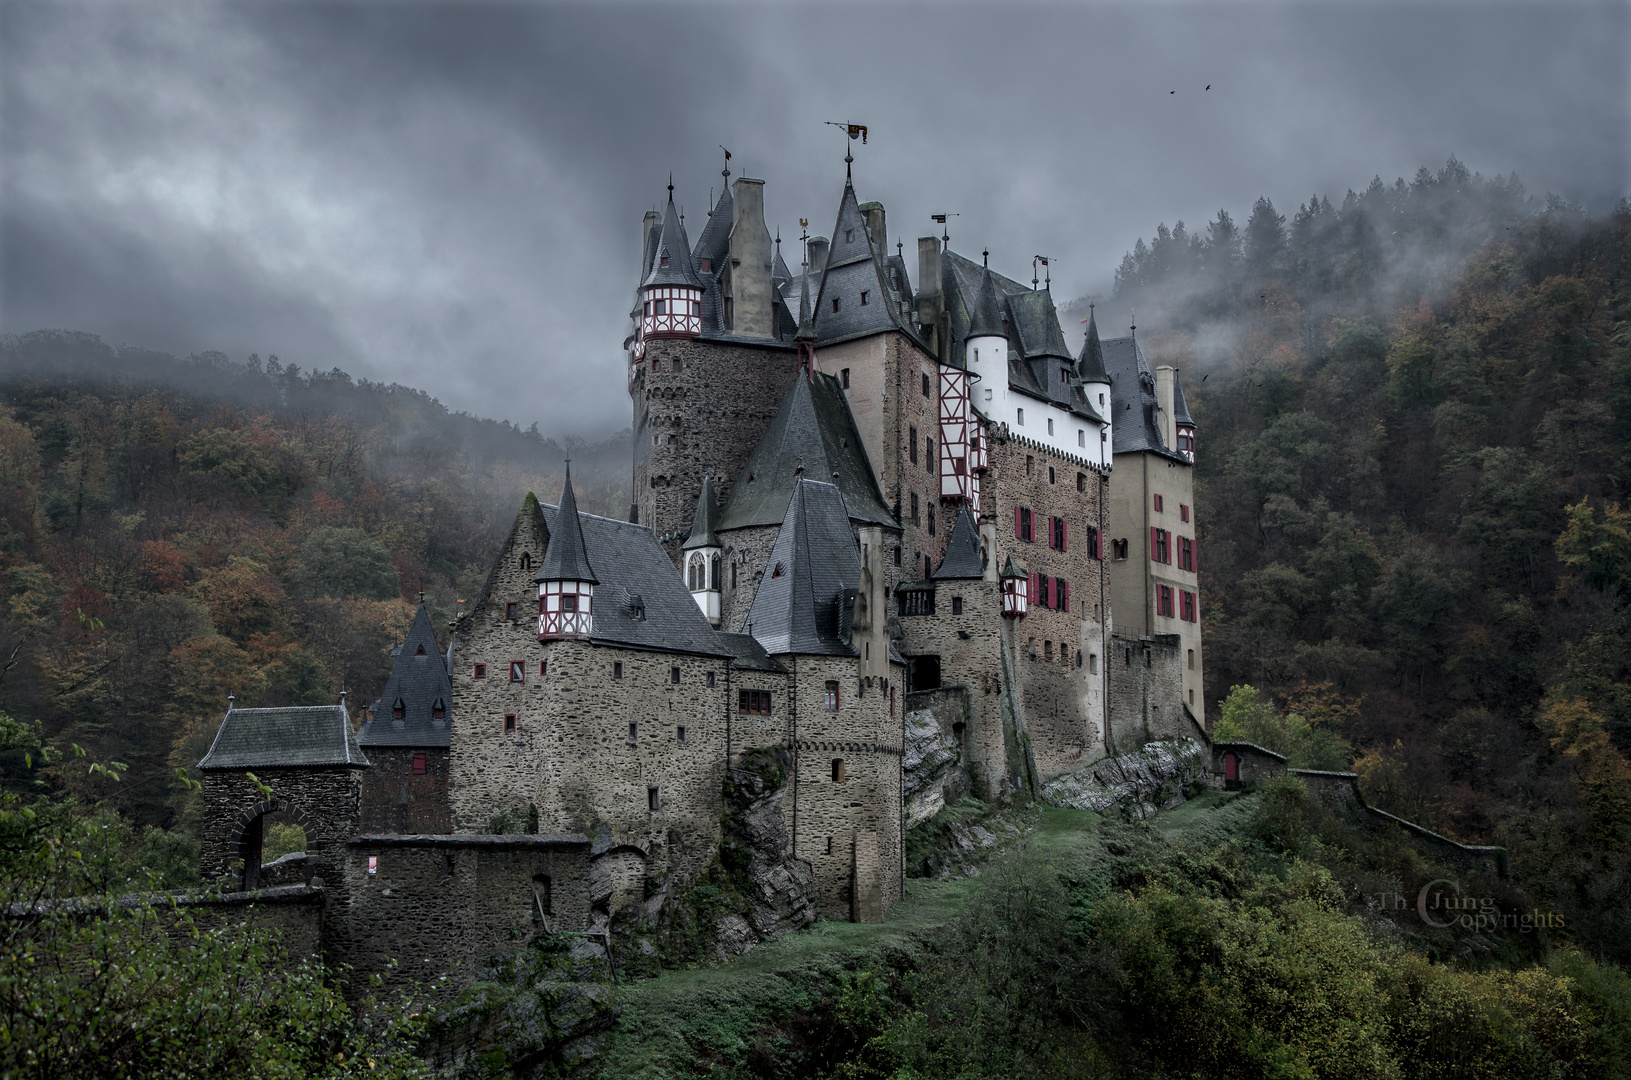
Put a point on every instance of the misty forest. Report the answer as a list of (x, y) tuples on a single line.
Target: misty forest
[(1413, 406)]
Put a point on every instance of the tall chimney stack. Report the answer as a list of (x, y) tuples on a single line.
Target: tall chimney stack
[(750, 255)]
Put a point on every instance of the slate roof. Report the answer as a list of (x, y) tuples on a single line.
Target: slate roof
[(747, 654), (419, 679), (1010, 568), (1090, 364), (714, 242), (962, 550), (986, 318), (1180, 407), (804, 601), (779, 273), (702, 526), (856, 266), (634, 567), (269, 738), (1132, 395), (673, 245), (1036, 324), (813, 430), (566, 558)]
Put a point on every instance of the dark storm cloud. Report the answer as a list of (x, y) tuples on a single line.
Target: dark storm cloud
[(449, 195)]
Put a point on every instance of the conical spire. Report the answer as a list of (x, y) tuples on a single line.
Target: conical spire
[(1090, 365), (702, 526), (671, 264), (566, 559), (1180, 407), (806, 330), (986, 319)]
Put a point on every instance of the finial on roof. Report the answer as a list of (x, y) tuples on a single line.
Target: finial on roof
[(230, 699), (985, 257), (848, 160), (671, 184), (342, 699), (421, 596), (726, 171)]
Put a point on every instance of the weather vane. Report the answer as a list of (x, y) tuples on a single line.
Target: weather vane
[(1043, 259), (945, 237), (853, 130)]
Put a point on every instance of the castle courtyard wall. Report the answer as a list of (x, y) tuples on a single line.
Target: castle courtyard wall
[(395, 799)]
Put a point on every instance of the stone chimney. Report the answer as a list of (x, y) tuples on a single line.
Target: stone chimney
[(750, 255), (1163, 402), (873, 213), (929, 303), (818, 254)]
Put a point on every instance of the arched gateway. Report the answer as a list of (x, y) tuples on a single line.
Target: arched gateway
[(303, 762)]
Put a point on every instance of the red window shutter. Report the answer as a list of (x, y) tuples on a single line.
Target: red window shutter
[(1017, 536)]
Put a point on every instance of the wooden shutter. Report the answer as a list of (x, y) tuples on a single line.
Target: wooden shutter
[(1017, 536)]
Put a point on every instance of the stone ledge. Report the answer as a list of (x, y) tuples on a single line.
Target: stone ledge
[(482, 841)]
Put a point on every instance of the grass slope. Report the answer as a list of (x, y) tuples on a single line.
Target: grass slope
[(675, 1024)]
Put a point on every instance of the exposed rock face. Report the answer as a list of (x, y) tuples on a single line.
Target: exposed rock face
[(930, 760), (755, 850), (1138, 784)]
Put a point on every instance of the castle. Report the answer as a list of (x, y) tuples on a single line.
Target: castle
[(869, 518)]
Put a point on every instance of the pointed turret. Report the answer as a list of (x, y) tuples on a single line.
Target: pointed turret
[(1016, 589), (671, 294), (986, 318), (1182, 421), (963, 559), (566, 581), (802, 603), (703, 554), (412, 710), (1090, 365)]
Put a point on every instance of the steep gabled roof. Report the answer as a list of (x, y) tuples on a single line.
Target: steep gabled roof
[(566, 559), (714, 243), (812, 436), (273, 738), (1036, 324), (962, 550), (856, 278), (672, 246), (802, 604), (419, 679), (1132, 393), (747, 654), (703, 525)]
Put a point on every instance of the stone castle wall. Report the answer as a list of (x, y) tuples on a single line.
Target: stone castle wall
[(395, 799), (707, 417), (324, 801), (1146, 691), (1059, 693), (864, 733)]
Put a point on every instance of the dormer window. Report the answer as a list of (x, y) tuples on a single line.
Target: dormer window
[(662, 262), (777, 572), (835, 303), (398, 709), (863, 297), (419, 651), (438, 711), (707, 264), (849, 235)]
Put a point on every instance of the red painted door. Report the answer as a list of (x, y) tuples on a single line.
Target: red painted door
[(1231, 767)]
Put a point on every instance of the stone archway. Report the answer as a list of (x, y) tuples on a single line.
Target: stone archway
[(248, 837)]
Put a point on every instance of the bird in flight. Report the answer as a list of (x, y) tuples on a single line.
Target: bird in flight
[(1172, 91), (1209, 86)]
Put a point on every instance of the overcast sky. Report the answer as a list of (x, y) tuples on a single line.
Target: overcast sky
[(449, 195)]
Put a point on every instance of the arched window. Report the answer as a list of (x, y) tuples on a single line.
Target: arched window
[(713, 574)]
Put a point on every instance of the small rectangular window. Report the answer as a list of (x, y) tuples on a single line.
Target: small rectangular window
[(957, 605), (843, 377), (835, 304), (569, 602), (928, 454), (708, 679), (652, 802), (1050, 425), (832, 697), (518, 671), (914, 508), (679, 733), (925, 385), (863, 297), (829, 845), (674, 674), (617, 669), (1183, 511), (480, 671), (509, 721), (1158, 504), (837, 770), (1191, 659), (1020, 417), (1163, 601), (1081, 481), (1050, 474), (419, 764), (911, 443), (634, 730), (543, 667), (510, 610)]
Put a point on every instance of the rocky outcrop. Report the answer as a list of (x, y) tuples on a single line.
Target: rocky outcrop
[(1154, 778), (755, 851), (929, 762)]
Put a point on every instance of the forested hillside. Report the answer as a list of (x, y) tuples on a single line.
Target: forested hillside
[(1415, 429), (173, 531)]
